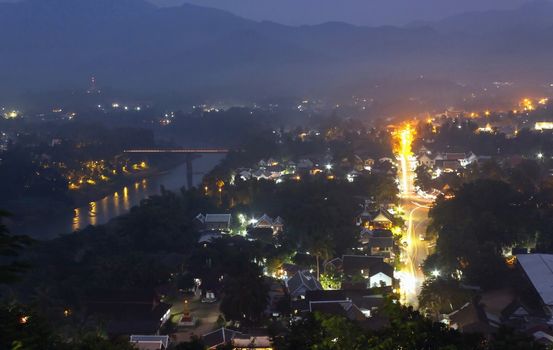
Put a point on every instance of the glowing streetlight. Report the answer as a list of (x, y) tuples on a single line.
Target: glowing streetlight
[(436, 273), (540, 155), (405, 139)]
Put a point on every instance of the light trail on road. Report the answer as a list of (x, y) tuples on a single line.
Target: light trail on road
[(416, 216)]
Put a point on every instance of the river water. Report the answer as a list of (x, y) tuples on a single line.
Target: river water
[(120, 202)]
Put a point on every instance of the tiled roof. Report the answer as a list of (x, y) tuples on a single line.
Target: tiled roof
[(303, 278), (352, 264)]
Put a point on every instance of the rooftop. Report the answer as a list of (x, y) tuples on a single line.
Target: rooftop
[(539, 269), (217, 218)]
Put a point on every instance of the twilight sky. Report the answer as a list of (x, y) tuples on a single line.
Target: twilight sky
[(363, 12)]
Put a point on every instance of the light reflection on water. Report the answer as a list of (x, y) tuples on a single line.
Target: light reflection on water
[(100, 211)]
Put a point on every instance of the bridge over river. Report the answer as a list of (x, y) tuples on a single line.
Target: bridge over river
[(189, 152)]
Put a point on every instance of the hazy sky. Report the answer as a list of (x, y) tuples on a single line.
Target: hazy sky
[(368, 12)]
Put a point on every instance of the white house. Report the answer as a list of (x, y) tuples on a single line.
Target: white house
[(265, 221)]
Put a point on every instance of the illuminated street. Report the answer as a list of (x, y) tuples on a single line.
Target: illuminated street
[(416, 218)]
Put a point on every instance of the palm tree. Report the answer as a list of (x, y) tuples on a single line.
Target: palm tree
[(321, 247)]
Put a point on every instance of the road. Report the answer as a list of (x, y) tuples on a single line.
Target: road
[(415, 210), (416, 220)]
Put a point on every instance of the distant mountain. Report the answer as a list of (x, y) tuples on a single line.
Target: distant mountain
[(532, 16), (135, 46)]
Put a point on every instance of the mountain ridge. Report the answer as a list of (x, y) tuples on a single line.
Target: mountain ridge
[(131, 44)]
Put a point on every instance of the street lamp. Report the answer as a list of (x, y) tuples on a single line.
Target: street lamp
[(540, 155), (436, 273)]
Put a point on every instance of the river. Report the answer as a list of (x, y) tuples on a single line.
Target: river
[(120, 202)]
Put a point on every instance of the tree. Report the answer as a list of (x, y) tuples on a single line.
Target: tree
[(508, 339), (10, 248), (331, 280), (245, 295), (406, 329), (321, 247), (474, 226), (442, 295), (24, 328), (194, 344), (423, 179)]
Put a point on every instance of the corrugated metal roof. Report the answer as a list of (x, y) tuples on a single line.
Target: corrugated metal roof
[(539, 269)]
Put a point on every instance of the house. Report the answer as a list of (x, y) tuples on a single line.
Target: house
[(215, 222), (449, 161), (542, 334), (426, 160), (300, 283), (359, 265), (358, 163), (381, 242), (125, 312), (265, 221), (368, 163), (472, 158), (278, 225), (365, 301), (236, 340), (493, 309), (364, 219), (262, 174), (344, 308), (220, 337), (209, 237), (381, 275), (304, 164), (424, 150), (245, 174), (365, 236), (538, 269), (471, 318), (373, 269), (382, 220), (515, 312), (248, 342), (150, 342)]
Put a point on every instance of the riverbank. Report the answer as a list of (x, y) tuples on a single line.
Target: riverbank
[(45, 219), (90, 194)]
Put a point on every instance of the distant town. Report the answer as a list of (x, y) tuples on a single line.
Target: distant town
[(335, 224)]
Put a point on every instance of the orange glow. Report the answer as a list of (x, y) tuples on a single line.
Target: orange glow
[(527, 104), (403, 148)]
